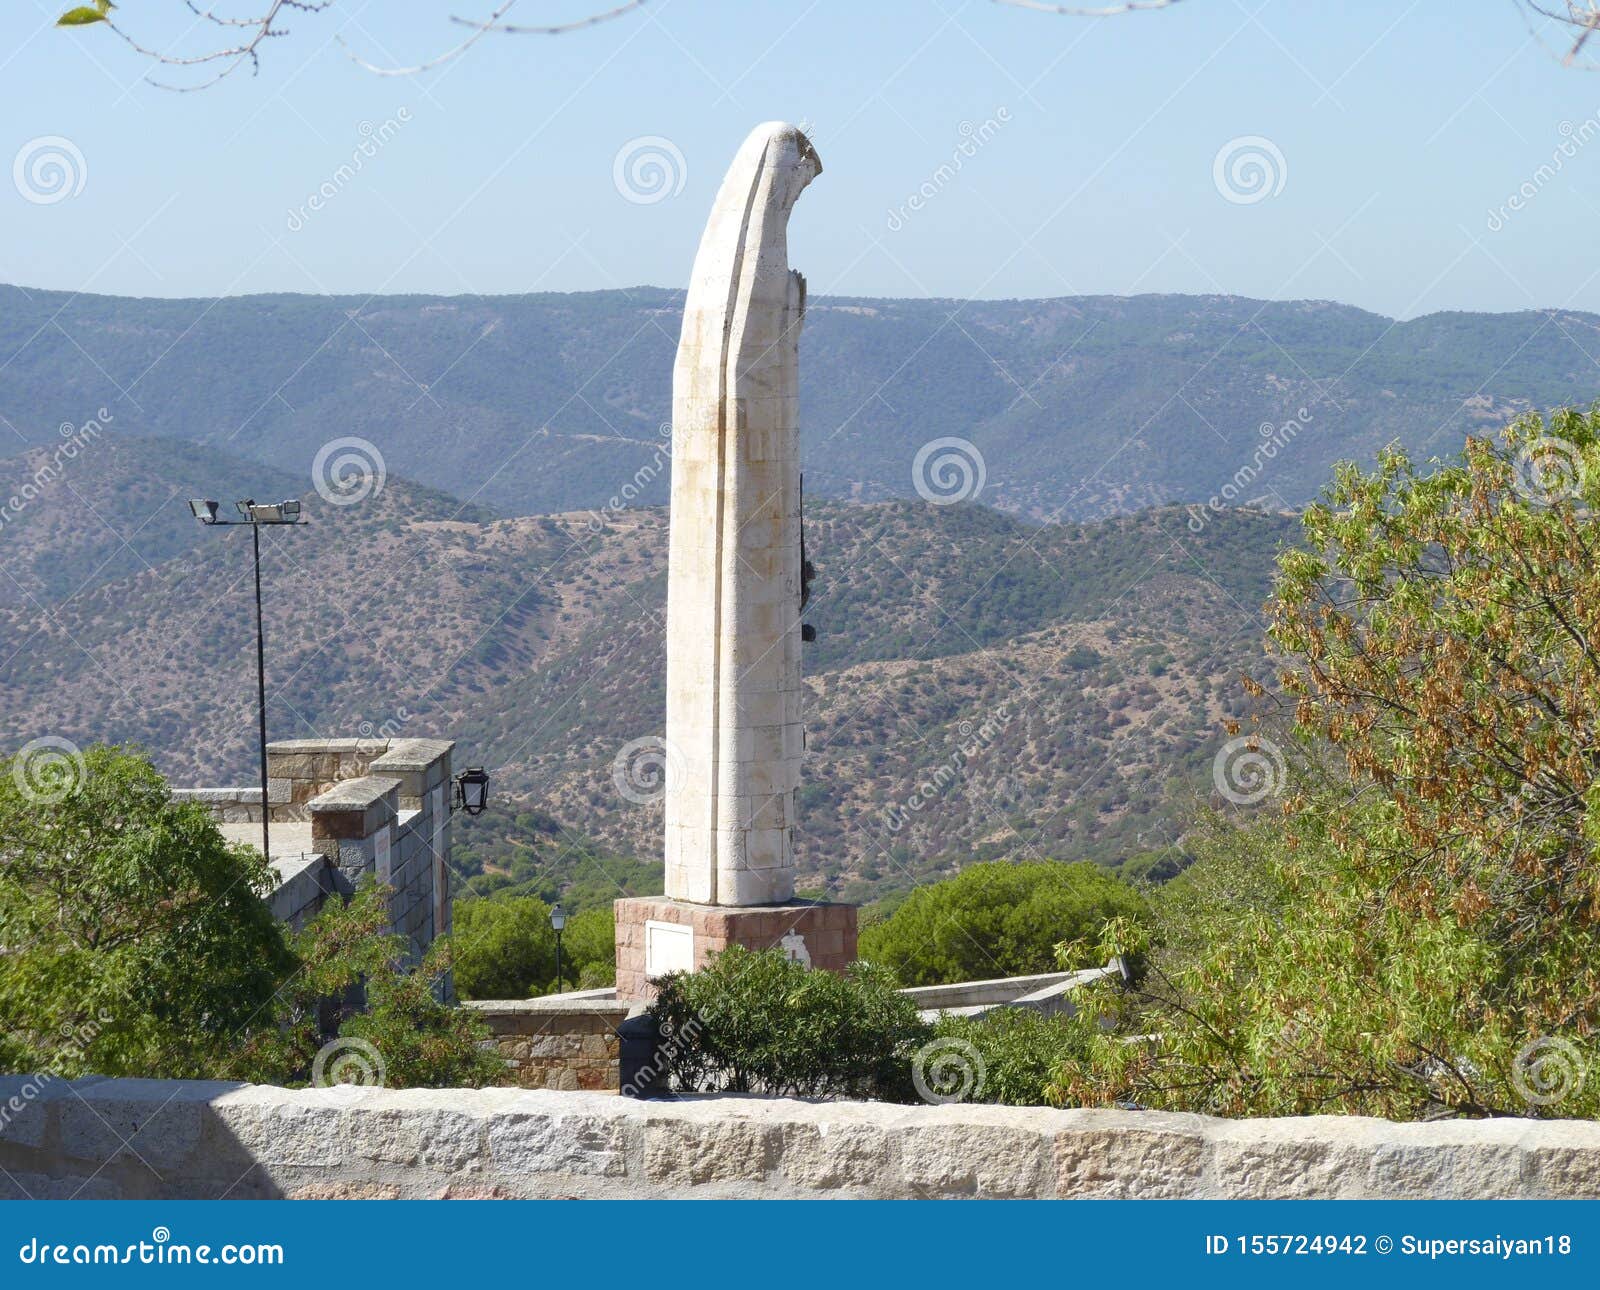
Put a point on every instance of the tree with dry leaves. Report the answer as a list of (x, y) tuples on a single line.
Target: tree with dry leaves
[(1423, 932)]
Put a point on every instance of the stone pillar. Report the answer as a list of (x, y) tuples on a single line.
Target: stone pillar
[(735, 739)]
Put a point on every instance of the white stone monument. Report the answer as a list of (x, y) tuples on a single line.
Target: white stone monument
[(735, 738)]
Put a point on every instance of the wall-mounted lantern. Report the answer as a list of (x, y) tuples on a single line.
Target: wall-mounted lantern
[(472, 790)]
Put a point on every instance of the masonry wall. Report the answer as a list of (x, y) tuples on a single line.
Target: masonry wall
[(377, 807), (556, 1043), (108, 1139)]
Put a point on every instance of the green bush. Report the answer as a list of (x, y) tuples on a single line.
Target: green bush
[(761, 1023), (1020, 1053), (401, 1036), (997, 919)]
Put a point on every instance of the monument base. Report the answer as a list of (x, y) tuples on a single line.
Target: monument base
[(656, 935)]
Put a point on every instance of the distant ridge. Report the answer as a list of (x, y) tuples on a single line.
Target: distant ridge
[(1080, 406)]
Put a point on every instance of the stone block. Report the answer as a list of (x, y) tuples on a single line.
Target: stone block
[(420, 1133), (26, 1103), (1128, 1155), (822, 1157), (1561, 1160), (966, 1159), (683, 1151), (548, 1140), (154, 1123), (1315, 1157)]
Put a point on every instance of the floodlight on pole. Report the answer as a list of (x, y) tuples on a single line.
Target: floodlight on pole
[(285, 512)]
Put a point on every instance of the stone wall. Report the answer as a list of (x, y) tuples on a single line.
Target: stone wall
[(136, 1138), (562, 1043), (227, 805), (375, 806), (301, 769)]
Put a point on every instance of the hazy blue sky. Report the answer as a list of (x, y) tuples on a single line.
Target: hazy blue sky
[(1400, 128)]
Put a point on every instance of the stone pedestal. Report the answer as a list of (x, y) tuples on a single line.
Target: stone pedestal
[(657, 935)]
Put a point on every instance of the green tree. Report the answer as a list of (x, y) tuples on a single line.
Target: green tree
[(1420, 935), (353, 1012), (137, 943), (589, 949), (136, 939), (506, 949), (996, 919)]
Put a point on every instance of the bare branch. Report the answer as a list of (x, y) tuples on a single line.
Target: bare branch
[(592, 20), (482, 29), (256, 29), (1581, 16), (1073, 11), (234, 56)]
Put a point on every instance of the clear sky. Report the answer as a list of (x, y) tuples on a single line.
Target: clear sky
[(1392, 135)]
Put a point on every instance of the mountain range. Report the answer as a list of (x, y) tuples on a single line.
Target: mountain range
[(1045, 667), (1061, 687), (1079, 407)]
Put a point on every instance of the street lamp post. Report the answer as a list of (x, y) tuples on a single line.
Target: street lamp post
[(255, 515), (558, 920)]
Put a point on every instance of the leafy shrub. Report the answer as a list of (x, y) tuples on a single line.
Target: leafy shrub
[(1419, 934), (139, 944), (759, 1022), (997, 919), (412, 1039), (1021, 1053)]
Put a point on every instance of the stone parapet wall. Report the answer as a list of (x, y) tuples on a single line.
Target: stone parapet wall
[(376, 807), (301, 769), (108, 1139), (555, 1042), (227, 805), (303, 886)]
